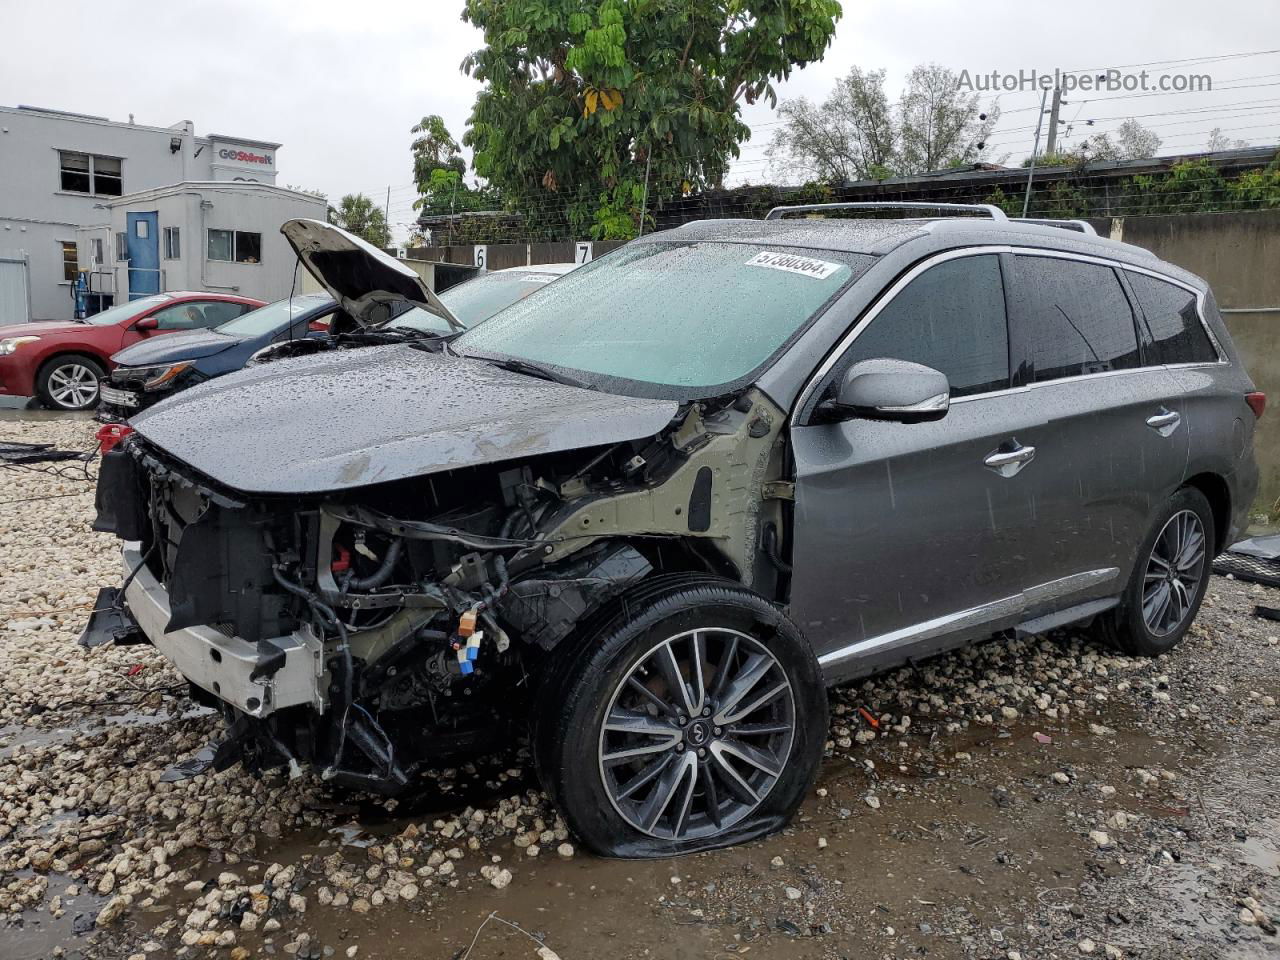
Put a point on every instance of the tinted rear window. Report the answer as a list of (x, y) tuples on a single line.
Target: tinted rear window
[(1176, 331), (1068, 318), (951, 318)]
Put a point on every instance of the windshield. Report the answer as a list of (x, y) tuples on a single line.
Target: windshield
[(273, 316), (126, 311), (477, 299), (685, 315)]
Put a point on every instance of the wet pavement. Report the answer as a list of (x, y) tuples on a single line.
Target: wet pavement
[(1021, 799)]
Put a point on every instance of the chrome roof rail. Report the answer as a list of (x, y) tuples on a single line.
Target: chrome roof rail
[(1081, 226), (992, 211)]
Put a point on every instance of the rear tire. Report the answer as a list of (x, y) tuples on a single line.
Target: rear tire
[(1168, 582), (69, 382), (640, 767)]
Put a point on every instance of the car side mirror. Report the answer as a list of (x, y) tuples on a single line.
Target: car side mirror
[(884, 389), (147, 323)]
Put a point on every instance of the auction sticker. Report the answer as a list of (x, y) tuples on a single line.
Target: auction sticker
[(792, 263)]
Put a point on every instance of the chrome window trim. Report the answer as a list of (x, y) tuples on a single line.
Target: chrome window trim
[(887, 297)]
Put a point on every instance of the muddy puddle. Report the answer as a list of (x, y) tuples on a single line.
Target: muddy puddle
[(933, 845)]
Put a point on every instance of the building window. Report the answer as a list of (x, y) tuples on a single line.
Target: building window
[(235, 245), (69, 260), (172, 244), (122, 247), (97, 251), (89, 173)]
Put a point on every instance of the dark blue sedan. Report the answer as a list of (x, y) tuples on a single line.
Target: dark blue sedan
[(151, 370)]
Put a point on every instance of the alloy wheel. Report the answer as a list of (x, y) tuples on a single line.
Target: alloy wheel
[(73, 385), (696, 734), (1174, 572)]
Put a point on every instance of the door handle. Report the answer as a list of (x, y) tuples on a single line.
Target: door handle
[(1009, 458), (1164, 422)]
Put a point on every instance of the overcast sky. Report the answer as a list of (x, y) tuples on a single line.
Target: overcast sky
[(341, 83)]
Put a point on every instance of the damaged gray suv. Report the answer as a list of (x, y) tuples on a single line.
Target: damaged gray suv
[(649, 513)]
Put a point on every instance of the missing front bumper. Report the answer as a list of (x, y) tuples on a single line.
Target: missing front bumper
[(257, 679)]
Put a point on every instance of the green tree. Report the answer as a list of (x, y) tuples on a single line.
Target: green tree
[(358, 214), (587, 101)]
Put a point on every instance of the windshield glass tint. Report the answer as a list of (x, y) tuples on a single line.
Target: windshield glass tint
[(477, 299), (127, 311), (271, 317), (680, 314)]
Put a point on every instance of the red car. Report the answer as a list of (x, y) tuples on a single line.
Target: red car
[(61, 362)]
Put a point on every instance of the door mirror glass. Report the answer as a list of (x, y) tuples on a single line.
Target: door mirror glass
[(147, 323), (884, 389)]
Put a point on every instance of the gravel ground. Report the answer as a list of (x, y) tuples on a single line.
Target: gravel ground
[(1019, 799)]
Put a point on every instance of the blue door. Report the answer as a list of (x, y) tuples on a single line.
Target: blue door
[(143, 245)]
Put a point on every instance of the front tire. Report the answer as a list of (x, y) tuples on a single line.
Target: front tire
[(1168, 581), (69, 382), (692, 717)]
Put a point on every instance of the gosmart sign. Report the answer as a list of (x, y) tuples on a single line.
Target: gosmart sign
[(244, 156)]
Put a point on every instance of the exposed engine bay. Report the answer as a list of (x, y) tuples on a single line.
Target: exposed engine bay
[(375, 630)]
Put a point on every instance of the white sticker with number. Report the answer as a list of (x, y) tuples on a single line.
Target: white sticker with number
[(793, 263)]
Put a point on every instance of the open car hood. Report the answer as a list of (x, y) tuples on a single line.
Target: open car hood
[(351, 418), (364, 280)]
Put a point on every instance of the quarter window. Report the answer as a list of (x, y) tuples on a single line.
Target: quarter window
[(951, 318), (89, 173), (1177, 335), (235, 245), (1069, 318)]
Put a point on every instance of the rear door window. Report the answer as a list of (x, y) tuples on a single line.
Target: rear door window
[(951, 318), (1068, 318), (1177, 335)]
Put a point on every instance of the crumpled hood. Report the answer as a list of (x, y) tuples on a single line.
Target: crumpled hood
[(350, 418), (174, 347)]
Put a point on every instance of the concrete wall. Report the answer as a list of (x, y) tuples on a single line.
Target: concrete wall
[(1239, 254)]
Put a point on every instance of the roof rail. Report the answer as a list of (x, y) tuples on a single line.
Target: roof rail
[(994, 212), (1081, 226)]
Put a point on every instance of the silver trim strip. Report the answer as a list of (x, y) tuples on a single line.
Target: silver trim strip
[(887, 297), (975, 616), (220, 664)]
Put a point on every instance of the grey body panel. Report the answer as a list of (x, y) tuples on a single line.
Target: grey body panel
[(351, 418), (905, 545)]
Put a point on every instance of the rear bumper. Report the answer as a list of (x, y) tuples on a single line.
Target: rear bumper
[(257, 679)]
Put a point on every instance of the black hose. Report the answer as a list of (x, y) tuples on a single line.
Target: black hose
[(771, 549), (319, 608), (382, 574)]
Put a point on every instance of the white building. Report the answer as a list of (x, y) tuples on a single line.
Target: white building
[(199, 235), (60, 172)]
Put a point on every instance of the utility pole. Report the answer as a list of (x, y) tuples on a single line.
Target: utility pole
[(386, 213), (1051, 146), (1031, 170)]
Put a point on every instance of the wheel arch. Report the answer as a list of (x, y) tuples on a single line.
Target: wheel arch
[(1217, 491)]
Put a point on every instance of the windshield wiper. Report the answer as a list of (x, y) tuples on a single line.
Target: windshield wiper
[(516, 365)]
